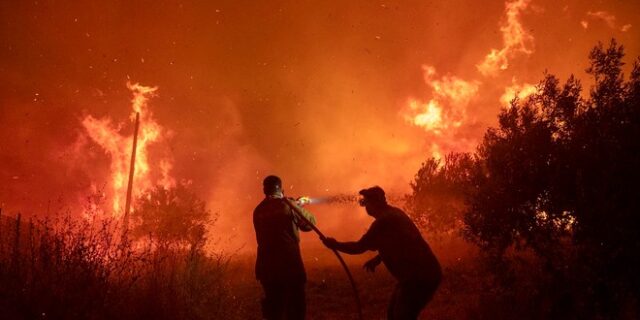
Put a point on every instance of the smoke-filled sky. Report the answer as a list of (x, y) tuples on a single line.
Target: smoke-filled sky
[(332, 96)]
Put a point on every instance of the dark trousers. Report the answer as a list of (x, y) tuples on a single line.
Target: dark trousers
[(409, 298), (283, 300)]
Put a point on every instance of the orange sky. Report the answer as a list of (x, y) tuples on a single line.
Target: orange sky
[(317, 92)]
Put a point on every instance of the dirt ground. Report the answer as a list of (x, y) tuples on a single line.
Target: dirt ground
[(329, 294)]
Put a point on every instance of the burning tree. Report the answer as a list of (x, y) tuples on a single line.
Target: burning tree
[(116, 143)]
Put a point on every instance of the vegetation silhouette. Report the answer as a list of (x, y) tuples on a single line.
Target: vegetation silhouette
[(556, 182), (172, 217), (62, 267)]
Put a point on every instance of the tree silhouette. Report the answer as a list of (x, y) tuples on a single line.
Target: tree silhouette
[(562, 167), (560, 177), (173, 217), (437, 201)]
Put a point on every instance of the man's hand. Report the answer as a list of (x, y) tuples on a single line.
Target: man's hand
[(372, 264), (331, 243)]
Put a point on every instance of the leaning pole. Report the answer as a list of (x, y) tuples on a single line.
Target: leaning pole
[(132, 168)]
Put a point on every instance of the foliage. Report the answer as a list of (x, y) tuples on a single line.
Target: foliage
[(561, 178), (437, 201), (558, 178), (171, 216)]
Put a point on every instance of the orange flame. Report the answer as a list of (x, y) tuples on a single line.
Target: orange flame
[(519, 91), (429, 115), (118, 147), (444, 115), (447, 107), (514, 37)]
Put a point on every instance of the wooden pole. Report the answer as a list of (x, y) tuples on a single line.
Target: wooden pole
[(132, 168)]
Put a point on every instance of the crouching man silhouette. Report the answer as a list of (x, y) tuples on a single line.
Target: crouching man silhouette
[(402, 249)]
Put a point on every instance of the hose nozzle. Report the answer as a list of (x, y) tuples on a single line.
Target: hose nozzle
[(304, 200)]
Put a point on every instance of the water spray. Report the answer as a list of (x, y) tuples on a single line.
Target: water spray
[(308, 200), (346, 198), (339, 199)]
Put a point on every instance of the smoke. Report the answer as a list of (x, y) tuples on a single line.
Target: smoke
[(608, 18), (329, 96)]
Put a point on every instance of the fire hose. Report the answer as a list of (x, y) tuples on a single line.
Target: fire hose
[(301, 216)]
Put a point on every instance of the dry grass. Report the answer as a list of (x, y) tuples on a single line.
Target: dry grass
[(77, 269)]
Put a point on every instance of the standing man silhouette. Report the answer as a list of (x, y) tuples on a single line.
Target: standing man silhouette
[(279, 266), (404, 252)]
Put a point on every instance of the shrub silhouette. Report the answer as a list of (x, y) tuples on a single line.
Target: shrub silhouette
[(171, 217), (69, 268)]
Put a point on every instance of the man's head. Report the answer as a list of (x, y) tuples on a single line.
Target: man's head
[(272, 186), (374, 200)]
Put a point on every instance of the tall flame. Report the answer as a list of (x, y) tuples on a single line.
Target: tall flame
[(118, 146), (514, 37), (444, 114)]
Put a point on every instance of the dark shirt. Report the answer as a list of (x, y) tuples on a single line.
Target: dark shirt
[(277, 228), (402, 248)]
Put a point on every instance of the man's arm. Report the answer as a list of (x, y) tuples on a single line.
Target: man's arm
[(367, 242), (352, 247), (306, 215), (303, 225)]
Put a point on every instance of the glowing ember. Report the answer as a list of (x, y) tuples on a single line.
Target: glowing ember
[(118, 147)]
